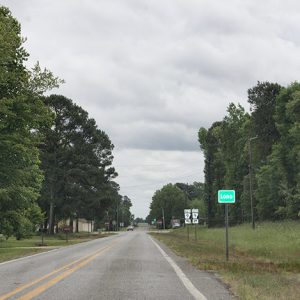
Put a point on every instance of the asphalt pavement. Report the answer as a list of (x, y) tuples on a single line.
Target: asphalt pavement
[(130, 265)]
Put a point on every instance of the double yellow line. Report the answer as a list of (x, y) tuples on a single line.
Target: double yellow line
[(68, 270)]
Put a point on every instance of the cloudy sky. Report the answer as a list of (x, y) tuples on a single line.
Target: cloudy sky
[(152, 72)]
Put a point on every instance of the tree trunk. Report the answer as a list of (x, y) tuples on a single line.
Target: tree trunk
[(71, 224), (77, 225)]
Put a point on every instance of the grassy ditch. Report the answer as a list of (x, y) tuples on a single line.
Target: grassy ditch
[(11, 248), (263, 264)]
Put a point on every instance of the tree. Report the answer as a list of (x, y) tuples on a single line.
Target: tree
[(170, 200), (235, 157), (195, 196), (214, 171), (262, 99), (22, 115), (223, 145), (124, 208), (76, 159), (139, 220), (278, 180)]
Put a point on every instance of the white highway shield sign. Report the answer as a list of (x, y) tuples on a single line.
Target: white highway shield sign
[(187, 216)]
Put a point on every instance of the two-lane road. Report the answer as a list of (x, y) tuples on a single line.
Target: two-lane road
[(130, 265)]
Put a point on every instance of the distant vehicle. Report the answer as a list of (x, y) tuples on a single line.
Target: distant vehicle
[(130, 227), (175, 223)]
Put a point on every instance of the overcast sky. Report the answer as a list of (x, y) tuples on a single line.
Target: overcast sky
[(152, 72)]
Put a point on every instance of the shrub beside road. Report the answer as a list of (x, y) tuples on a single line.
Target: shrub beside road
[(263, 263)]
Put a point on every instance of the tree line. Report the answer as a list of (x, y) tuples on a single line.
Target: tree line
[(264, 143), (55, 163), (170, 201)]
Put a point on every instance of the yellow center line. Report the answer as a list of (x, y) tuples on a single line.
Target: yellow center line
[(37, 291), (25, 286)]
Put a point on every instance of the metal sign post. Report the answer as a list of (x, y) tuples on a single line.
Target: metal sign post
[(226, 231), (187, 221), (191, 216), (195, 215), (225, 197)]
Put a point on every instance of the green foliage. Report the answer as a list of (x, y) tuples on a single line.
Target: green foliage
[(200, 204), (41, 81), (170, 200), (213, 171), (278, 180), (268, 196), (22, 116), (124, 211), (195, 197), (223, 145), (76, 160), (262, 99), (275, 122)]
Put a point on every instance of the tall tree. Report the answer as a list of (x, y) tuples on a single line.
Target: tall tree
[(124, 210), (195, 197), (22, 115), (233, 149), (170, 201), (262, 99), (76, 159), (223, 145), (214, 171), (278, 180)]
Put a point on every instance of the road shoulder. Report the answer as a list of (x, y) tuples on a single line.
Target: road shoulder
[(208, 283)]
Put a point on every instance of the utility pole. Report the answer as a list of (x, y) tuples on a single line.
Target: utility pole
[(250, 182)]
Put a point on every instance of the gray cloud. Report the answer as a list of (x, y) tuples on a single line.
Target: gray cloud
[(152, 72)]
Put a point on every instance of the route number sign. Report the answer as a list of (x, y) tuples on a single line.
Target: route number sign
[(226, 196), (191, 216), (195, 214), (187, 216)]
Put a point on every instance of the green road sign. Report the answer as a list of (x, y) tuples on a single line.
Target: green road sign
[(226, 196)]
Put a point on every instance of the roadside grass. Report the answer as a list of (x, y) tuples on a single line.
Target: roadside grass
[(12, 248), (263, 263)]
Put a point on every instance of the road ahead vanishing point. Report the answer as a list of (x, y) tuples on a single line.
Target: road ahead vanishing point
[(131, 265)]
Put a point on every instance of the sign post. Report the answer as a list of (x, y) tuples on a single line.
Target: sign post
[(188, 232), (226, 231), (191, 216), (187, 221), (195, 215), (226, 197), (66, 230)]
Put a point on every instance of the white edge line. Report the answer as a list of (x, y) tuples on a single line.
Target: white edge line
[(186, 282)]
